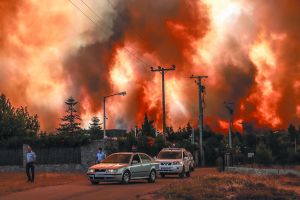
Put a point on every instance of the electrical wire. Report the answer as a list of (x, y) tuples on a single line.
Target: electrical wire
[(108, 34)]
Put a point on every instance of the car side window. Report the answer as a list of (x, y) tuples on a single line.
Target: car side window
[(136, 158), (185, 154), (145, 158)]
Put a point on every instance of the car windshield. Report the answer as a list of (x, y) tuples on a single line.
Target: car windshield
[(118, 158), (169, 155)]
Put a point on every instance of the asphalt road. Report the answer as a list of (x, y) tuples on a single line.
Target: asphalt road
[(104, 191)]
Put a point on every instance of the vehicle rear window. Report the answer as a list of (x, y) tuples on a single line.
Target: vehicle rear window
[(118, 158), (170, 155)]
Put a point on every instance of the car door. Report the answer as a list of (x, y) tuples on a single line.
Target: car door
[(146, 164), (136, 167)]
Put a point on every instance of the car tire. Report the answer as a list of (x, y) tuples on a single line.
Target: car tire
[(188, 173), (162, 175), (152, 176), (192, 168), (95, 182), (126, 177), (181, 175)]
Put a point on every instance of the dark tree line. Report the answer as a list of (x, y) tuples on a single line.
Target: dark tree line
[(17, 126), (16, 122)]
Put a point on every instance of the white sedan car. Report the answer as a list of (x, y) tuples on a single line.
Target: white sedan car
[(123, 167)]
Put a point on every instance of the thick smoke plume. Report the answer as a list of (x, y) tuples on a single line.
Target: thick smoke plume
[(249, 49)]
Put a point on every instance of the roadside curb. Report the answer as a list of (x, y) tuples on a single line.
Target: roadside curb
[(258, 171)]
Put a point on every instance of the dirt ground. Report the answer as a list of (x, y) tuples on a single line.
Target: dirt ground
[(83, 189), (205, 183), (217, 186), (16, 182)]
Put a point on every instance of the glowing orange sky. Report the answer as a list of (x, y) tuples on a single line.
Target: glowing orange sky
[(249, 49)]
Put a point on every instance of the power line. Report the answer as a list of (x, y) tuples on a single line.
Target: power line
[(113, 7), (111, 4), (135, 32), (94, 12), (82, 11), (163, 70), (108, 34)]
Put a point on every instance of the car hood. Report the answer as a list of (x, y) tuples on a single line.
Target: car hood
[(108, 166), (168, 160)]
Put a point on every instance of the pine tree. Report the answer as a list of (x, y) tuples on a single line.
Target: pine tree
[(95, 126), (148, 128), (71, 121)]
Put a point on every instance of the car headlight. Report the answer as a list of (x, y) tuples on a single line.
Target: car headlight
[(91, 170), (177, 163), (112, 171)]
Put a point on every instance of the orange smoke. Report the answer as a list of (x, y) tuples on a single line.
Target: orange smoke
[(50, 50)]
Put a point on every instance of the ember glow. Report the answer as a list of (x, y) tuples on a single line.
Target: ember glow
[(49, 50)]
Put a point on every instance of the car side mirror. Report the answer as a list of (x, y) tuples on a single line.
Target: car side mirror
[(134, 162)]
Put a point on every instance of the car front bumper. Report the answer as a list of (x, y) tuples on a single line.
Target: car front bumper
[(104, 177), (171, 169)]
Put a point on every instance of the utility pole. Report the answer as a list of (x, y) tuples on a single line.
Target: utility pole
[(104, 118), (163, 70), (243, 126), (201, 89), (229, 107), (193, 136)]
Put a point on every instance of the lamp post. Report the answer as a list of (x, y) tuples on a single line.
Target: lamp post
[(104, 112)]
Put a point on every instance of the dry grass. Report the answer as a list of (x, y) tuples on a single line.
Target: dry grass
[(234, 186), (15, 182)]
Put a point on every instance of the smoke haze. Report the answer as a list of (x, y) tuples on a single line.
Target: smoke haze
[(49, 50)]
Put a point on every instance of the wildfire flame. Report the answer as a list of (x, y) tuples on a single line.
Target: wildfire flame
[(249, 49)]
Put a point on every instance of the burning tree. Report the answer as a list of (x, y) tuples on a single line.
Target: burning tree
[(71, 121)]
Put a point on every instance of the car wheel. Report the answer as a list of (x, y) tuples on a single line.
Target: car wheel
[(162, 175), (152, 176), (94, 182), (181, 175), (192, 168), (126, 177), (188, 173)]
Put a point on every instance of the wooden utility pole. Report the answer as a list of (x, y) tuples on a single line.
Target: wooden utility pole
[(163, 70), (229, 107), (201, 90)]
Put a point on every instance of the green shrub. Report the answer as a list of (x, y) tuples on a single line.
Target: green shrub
[(263, 155)]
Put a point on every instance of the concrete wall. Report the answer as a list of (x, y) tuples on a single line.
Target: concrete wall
[(88, 158), (46, 168), (88, 152), (263, 171)]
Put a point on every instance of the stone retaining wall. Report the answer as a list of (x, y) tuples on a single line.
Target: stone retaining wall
[(263, 171), (88, 158), (46, 168)]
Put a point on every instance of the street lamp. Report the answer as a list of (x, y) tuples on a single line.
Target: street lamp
[(104, 113)]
